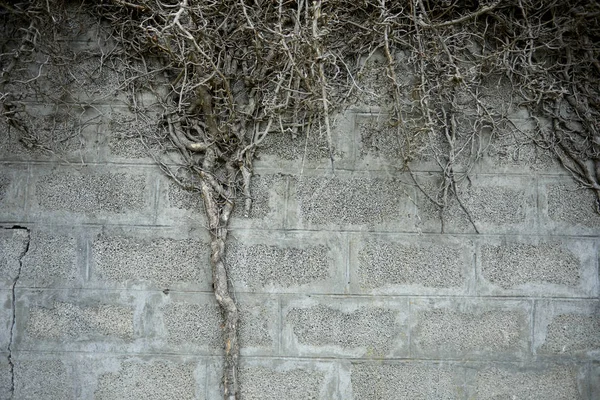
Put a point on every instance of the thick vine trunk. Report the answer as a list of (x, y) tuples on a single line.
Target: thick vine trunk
[(230, 314), (218, 221)]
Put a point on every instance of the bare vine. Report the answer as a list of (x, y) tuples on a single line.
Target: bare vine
[(229, 73)]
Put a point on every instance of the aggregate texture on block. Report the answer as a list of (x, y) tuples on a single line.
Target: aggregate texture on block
[(13, 243), (374, 82), (305, 147), (80, 320), (571, 205), (154, 379), (4, 186), (87, 80), (264, 383), (495, 204), (352, 200), (488, 329), (152, 260), (538, 266), (286, 261), (273, 265), (275, 379), (408, 380), (377, 90), (268, 192), (92, 192), (258, 324), (568, 329), (190, 324), (554, 382), (48, 379), (185, 199), (6, 318), (513, 264), (509, 150), (66, 321), (345, 328), (195, 323), (384, 144), (595, 380), (52, 260), (128, 136), (52, 132), (13, 180), (378, 140), (5, 377), (179, 206), (392, 265)]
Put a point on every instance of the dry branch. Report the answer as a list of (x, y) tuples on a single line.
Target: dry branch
[(234, 72)]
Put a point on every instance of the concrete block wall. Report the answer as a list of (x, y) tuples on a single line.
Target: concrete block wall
[(349, 284)]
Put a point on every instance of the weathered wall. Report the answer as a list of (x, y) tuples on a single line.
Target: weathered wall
[(347, 287)]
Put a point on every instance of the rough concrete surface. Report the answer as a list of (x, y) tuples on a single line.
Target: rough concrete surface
[(345, 327), (142, 258), (351, 283), (568, 329), (276, 378), (53, 259), (403, 264), (351, 201), (13, 243), (152, 379), (406, 380), (458, 329), (512, 381), (43, 379)]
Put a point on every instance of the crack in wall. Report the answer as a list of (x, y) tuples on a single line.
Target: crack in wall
[(14, 309)]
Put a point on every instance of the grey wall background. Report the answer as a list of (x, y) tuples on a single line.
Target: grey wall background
[(347, 286)]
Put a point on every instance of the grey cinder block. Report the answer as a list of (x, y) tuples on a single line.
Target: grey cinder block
[(567, 208), (508, 150), (6, 318), (410, 264), (179, 206), (407, 380), (54, 133), (279, 261), (92, 195), (381, 145), (13, 243), (540, 266), (79, 320), (150, 258), (594, 380), (5, 377), (13, 187), (567, 329), (268, 191), (365, 201), (496, 203), (192, 323), (122, 133), (273, 378), (55, 258), (470, 329), (152, 378), (345, 327), (528, 382), (43, 378), (288, 153)]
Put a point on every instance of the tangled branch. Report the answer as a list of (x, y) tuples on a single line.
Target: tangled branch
[(237, 71)]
